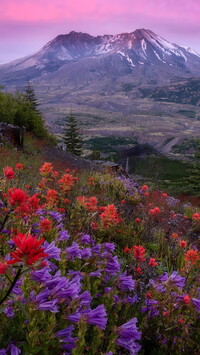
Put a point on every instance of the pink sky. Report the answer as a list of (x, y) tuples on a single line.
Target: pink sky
[(26, 25)]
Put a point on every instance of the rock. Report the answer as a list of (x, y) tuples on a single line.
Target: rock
[(11, 134)]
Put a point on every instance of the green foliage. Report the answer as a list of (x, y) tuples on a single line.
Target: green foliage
[(14, 109), (194, 178), (31, 98), (72, 137)]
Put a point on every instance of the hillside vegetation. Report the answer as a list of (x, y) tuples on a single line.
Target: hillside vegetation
[(94, 263)]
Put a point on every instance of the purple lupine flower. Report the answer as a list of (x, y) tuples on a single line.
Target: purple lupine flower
[(109, 246), (49, 306), (63, 235), (3, 351), (131, 300), (128, 336), (73, 251), (126, 282), (97, 316), (163, 278), (108, 289), (159, 287), (57, 216), (9, 312), (151, 307), (68, 343), (112, 266), (86, 253), (17, 288), (96, 249), (96, 273), (6, 231), (41, 275), (196, 302), (61, 287), (75, 317), (85, 299), (52, 251), (14, 350), (178, 280), (87, 239), (11, 243)]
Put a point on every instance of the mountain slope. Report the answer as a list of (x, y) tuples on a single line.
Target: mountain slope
[(111, 55)]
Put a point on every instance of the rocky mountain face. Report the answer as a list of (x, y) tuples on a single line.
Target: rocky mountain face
[(81, 59)]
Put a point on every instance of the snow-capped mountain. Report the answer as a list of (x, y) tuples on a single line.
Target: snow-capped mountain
[(141, 54)]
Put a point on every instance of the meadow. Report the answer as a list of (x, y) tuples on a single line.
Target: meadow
[(93, 263)]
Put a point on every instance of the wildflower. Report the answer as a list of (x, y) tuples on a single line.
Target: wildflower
[(152, 262), (128, 336), (19, 166), (97, 316), (186, 299), (196, 303), (17, 196), (110, 216), (92, 203), (181, 321), (28, 250), (46, 169), (127, 250), (45, 225), (126, 282), (138, 220), (178, 280), (144, 188), (68, 343), (154, 211), (8, 173), (52, 251), (3, 268), (73, 251), (196, 216), (63, 235), (138, 270), (191, 257), (123, 202), (174, 236), (164, 194), (66, 182), (149, 294), (139, 253), (51, 197), (183, 244)]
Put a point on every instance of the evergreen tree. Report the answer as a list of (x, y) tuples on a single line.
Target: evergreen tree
[(72, 137), (194, 178), (31, 98)]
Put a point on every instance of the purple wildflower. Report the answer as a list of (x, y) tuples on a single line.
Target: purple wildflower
[(151, 307), (112, 266), (86, 253), (96, 273), (52, 251), (68, 343), (196, 303), (97, 316), (85, 299), (41, 275), (75, 317), (9, 312), (128, 336), (178, 280), (57, 216), (3, 351), (126, 282), (73, 251), (14, 350), (49, 306), (96, 249), (63, 235), (109, 246)]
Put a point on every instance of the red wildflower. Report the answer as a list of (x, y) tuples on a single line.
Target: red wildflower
[(191, 257), (138, 220), (186, 299), (154, 211), (19, 166), (92, 204), (51, 197), (196, 216), (16, 196), (144, 188), (138, 270), (45, 225), (139, 253), (46, 169), (149, 295), (28, 250), (3, 268), (174, 236), (152, 262), (183, 244), (82, 200), (127, 250), (166, 313), (164, 194), (181, 321), (110, 216), (123, 202), (67, 181), (8, 173)]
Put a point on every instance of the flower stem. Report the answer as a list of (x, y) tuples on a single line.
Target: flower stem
[(11, 287)]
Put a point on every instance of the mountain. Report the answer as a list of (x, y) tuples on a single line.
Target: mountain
[(142, 55)]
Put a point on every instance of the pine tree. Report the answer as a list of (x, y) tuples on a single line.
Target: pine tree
[(194, 178), (31, 98), (72, 137)]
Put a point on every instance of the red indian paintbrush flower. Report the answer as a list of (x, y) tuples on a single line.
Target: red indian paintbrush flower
[(28, 250), (139, 252), (3, 268), (16, 196), (8, 173)]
